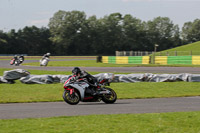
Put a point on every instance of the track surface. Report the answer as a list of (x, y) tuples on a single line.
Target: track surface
[(5, 64), (49, 109), (156, 105)]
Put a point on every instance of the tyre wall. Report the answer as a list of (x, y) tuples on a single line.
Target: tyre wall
[(126, 59), (169, 60)]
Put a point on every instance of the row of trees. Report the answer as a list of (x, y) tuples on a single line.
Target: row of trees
[(72, 33)]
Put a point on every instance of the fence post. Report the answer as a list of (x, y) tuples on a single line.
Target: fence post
[(167, 53), (175, 53), (116, 53), (146, 53), (124, 53), (131, 53)]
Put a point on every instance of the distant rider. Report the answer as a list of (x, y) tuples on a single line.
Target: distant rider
[(21, 58), (15, 58), (47, 55)]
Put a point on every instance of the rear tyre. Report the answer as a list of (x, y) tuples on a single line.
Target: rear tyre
[(109, 98), (71, 99)]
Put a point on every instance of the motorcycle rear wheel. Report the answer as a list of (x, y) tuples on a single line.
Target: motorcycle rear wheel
[(71, 99), (110, 98)]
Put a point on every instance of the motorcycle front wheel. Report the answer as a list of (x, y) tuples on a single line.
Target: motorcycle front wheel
[(109, 98), (71, 99), (11, 62)]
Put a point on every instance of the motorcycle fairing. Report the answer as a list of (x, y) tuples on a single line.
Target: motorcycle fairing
[(81, 86)]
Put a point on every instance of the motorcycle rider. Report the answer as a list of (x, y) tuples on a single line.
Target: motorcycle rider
[(16, 60), (21, 58), (47, 55), (79, 74), (15, 57)]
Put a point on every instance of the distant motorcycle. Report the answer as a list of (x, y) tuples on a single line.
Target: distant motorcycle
[(75, 91), (15, 62), (44, 61)]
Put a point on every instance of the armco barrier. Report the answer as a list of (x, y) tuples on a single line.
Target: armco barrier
[(126, 59)]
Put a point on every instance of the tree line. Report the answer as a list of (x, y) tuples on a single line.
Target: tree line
[(73, 33)]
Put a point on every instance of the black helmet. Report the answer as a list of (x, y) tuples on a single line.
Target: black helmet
[(76, 70)]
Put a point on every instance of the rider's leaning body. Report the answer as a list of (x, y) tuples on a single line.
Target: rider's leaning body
[(78, 74)]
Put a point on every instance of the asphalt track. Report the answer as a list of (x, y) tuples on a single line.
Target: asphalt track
[(50, 109)]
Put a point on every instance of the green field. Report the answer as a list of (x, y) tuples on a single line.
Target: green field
[(80, 63), (180, 122), (92, 63), (52, 57), (19, 92), (189, 49)]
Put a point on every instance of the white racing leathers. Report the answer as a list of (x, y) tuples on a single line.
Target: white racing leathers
[(44, 61)]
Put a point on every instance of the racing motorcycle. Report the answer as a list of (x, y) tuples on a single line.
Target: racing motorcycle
[(15, 61), (44, 61), (75, 91)]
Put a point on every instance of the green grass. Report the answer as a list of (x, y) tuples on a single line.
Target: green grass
[(179, 122), (92, 63), (188, 47), (18, 92), (156, 90), (183, 50), (80, 63), (51, 57)]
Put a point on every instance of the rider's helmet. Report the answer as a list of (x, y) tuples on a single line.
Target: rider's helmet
[(76, 71), (48, 54)]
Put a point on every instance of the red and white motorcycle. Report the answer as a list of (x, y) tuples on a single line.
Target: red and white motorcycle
[(75, 91), (15, 62)]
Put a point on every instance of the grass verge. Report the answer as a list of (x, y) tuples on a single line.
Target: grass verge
[(18, 92), (179, 122), (92, 63)]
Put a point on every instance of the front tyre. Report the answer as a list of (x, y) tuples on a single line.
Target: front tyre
[(11, 62), (71, 99), (109, 98)]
